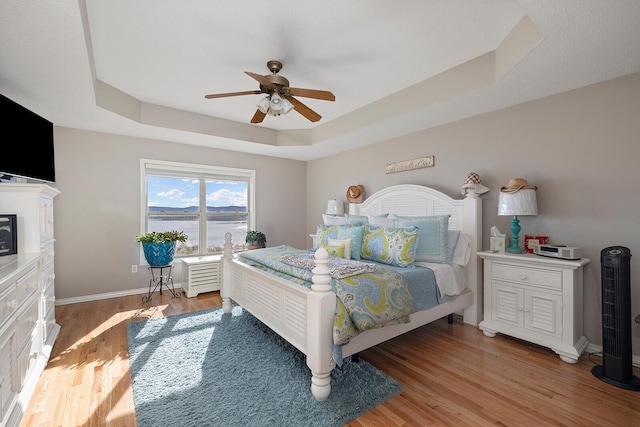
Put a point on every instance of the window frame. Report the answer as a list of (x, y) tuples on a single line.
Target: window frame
[(151, 167)]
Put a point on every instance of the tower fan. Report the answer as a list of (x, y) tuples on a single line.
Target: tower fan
[(617, 367)]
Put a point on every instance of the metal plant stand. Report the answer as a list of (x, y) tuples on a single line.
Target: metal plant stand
[(160, 276)]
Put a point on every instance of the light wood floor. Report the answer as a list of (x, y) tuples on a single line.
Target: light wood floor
[(452, 375)]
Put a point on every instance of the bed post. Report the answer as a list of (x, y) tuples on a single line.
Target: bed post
[(321, 306), (227, 257), (472, 225)]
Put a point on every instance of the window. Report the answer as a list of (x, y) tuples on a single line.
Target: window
[(205, 202)]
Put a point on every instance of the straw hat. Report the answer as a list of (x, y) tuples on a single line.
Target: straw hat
[(517, 184), (355, 194)]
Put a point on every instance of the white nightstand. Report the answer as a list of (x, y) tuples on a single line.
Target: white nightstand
[(535, 298)]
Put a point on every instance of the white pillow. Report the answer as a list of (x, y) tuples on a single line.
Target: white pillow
[(379, 221), (333, 220), (339, 242), (452, 241), (462, 253)]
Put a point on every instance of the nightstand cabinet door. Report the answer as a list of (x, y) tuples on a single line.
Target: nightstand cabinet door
[(536, 299), (518, 307)]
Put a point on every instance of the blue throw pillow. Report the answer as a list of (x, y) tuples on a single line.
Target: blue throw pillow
[(432, 246)]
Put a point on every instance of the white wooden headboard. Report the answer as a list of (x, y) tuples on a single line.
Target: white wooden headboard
[(418, 200)]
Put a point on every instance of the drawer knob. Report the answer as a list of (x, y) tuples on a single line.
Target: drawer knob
[(522, 277)]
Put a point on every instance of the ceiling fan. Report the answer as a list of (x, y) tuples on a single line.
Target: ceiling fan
[(280, 97)]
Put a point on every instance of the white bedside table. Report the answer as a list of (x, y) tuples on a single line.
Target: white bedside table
[(535, 298)]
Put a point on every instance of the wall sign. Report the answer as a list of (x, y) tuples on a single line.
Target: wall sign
[(423, 162)]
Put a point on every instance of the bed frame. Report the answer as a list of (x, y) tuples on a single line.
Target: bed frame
[(304, 317)]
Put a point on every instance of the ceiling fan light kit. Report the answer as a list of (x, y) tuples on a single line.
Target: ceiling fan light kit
[(279, 99)]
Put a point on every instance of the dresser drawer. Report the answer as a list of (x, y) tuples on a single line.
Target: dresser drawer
[(26, 324), (27, 285), (48, 300), (6, 373), (8, 303), (48, 322), (550, 279), (47, 255), (26, 357)]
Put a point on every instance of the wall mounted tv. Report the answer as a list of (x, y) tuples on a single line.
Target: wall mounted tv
[(31, 154)]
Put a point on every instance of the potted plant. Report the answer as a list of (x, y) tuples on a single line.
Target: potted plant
[(160, 246), (256, 239)]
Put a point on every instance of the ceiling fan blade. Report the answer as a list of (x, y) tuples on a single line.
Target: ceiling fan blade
[(304, 110), (325, 95), (223, 95), (261, 79), (258, 117)]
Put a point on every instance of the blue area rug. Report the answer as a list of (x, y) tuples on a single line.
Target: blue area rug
[(212, 369)]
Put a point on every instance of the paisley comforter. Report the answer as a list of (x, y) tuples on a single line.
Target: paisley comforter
[(364, 301)]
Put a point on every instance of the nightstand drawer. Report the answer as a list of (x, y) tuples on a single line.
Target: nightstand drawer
[(550, 279)]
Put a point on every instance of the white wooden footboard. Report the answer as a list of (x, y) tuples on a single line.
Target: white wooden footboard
[(302, 316)]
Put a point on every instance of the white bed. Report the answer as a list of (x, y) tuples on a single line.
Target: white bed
[(304, 316)]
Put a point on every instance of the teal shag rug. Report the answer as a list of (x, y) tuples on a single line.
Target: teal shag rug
[(212, 369)]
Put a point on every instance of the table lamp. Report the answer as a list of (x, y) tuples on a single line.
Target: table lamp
[(334, 207), (517, 198)]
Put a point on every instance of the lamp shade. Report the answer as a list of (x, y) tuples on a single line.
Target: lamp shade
[(334, 207), (276, 102), (522, 202), (263, 105)]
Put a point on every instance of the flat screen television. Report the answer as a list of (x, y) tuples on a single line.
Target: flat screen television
[(31, 153)]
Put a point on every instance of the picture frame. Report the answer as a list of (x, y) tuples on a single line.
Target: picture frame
[(8, 235), (531, 241)]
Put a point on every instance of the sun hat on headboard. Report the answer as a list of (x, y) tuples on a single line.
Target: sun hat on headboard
[(472, 183), (355, 194), (517, 184)]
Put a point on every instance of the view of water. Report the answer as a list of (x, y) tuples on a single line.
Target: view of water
[(215, 231)]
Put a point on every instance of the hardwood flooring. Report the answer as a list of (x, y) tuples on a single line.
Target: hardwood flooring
[(452, 375)]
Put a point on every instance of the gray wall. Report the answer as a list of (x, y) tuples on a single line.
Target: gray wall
[(580, 148), (97, 214)]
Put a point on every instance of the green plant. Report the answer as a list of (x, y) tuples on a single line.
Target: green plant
[(257, 238), (162, 237)]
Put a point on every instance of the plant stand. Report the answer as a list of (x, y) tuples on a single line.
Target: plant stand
[(160, 278)]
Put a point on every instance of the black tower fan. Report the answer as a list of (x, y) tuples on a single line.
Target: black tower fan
[(617, 367)]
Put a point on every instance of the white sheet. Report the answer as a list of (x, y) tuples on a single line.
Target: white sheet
[(451, 278)]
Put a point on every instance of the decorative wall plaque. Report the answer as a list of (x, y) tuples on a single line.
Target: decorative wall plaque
[(423, 162)]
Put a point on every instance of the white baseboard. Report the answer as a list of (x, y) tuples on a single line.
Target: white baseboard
[(597, 349), (96, 297)]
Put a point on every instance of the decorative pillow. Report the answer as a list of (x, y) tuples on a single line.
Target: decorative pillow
[(433, 236), (360, 219), (344, 242), (393, 246), (355, 219), (462, 253), (333, 220), (452, 241), (352, 232), (335, 250), (380, 221)]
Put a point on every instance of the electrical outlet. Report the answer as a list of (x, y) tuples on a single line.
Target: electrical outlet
[(134, 268)]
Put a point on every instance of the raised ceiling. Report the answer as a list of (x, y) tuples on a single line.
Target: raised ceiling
[(142, 68)]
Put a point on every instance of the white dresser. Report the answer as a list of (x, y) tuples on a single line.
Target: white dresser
[(537, 299), (27, 298)]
